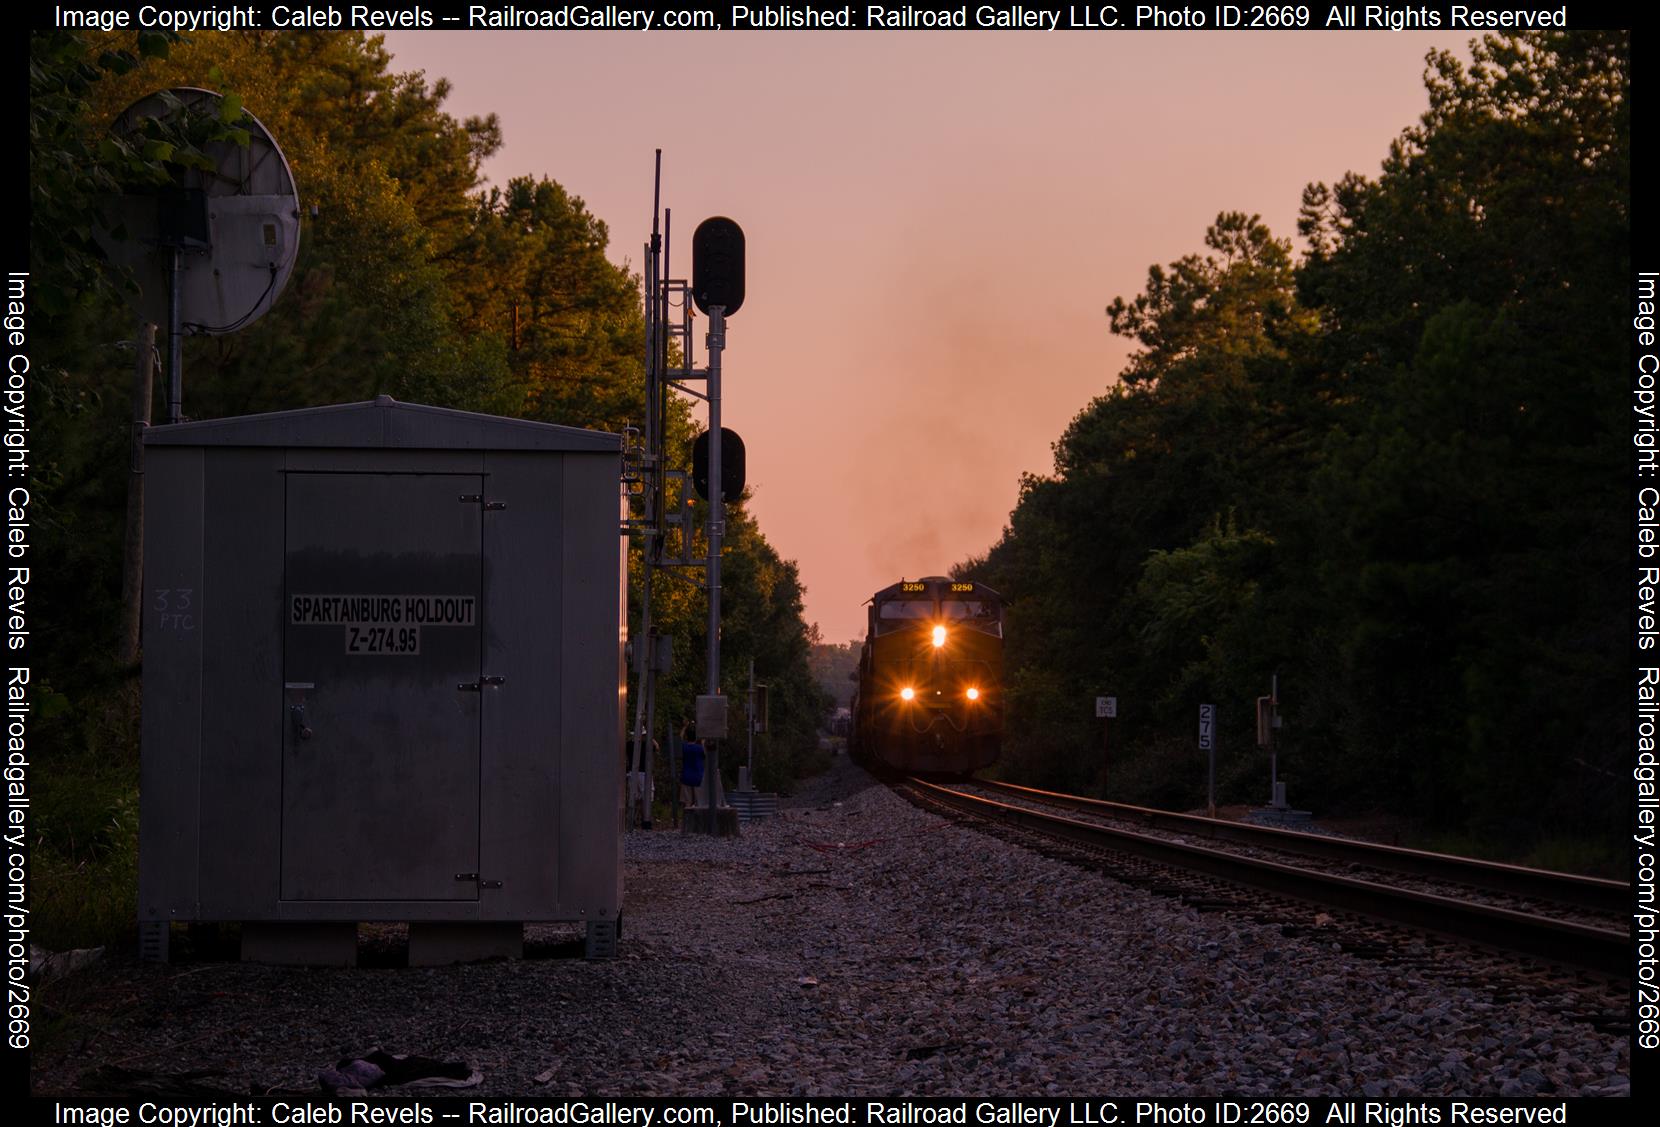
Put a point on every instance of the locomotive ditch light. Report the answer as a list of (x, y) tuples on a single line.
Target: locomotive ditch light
[(973, 694), (907, 693), (939, 636)]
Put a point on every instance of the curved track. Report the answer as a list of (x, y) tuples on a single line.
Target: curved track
[(1597, 946), (1599, 895)]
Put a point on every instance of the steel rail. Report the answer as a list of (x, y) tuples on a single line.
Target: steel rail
[(1516, 880), (1579, 945)]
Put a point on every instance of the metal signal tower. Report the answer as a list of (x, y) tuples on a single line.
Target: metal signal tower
[(717, 289)]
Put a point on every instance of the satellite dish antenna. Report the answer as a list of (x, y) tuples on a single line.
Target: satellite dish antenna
[(213, 250)]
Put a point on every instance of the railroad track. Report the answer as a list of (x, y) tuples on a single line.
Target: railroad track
[(1459, 901)]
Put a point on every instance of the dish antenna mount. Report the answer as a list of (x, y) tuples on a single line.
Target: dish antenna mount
[(213, 249)]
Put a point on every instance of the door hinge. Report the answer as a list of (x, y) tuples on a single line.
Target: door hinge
[(478, 499), (466, 876)]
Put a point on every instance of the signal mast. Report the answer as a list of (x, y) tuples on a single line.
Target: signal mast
[(717, 288)]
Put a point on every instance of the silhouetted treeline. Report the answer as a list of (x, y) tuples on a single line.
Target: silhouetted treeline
[(1393, 473)]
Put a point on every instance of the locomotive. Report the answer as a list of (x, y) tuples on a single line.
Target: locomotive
[(930, 695)]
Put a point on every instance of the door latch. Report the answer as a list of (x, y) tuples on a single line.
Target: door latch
[(296, 717), (472, 878)]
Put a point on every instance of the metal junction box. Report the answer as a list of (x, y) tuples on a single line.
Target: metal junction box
[(382, 669)]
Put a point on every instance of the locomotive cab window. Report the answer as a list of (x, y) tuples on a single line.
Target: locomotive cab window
[(893, 614), (979, 613)]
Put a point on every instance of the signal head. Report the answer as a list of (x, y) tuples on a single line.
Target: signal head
[(718, 265)]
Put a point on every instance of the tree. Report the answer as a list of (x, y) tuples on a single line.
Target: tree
[(1393, 473), (1477, 291), (72, 166), (1217, 415), (571, 321)]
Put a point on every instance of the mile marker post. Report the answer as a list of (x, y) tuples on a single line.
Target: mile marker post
[(1106, 708), (1207, 743)]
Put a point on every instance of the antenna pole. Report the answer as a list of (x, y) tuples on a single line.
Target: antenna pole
[(175, 337), (645, 654), (656, 195)]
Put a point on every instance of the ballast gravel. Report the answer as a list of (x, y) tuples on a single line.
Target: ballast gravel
[(856, 945)]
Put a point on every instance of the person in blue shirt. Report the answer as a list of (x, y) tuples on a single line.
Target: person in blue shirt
[(691, 766)]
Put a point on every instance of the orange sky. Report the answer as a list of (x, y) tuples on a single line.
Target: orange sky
[(935, 223)]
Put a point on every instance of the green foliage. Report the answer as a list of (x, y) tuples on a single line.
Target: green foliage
[(1391, 474), (369, 308), (1128, 569), (761, 621), (84, 860), (1205, 317), (571, 321), (72, 166), (85, 903), (1198, 607), (1479, 285), (832, 664)]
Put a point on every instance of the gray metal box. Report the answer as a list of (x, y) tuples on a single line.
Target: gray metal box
[(382, 669)]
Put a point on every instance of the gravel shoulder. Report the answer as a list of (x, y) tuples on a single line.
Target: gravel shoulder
[(856, 945)]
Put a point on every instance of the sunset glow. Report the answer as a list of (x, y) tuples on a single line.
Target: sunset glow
[(931, 242)]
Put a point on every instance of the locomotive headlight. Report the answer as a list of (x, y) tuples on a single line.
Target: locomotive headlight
[(973, 694), (907, 693), (939, 636)]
